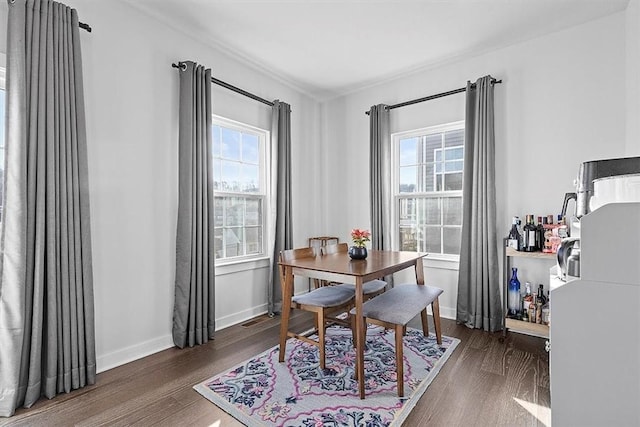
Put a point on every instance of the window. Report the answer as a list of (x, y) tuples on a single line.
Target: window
[(240, 189), (428, 166)]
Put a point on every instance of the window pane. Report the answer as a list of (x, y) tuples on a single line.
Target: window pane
[(230, 144), (408, 179), (233, 242), (452, 240), (253, 215), (430, 178), (452, 210), (407, 215), (218, 243), (218, 211), (217, 174), (432, 239), (217, 140), (455, 166), (250, 148), (453, 181), (234, 211), (408, 151), (454, 153), (250, 178), (429, 211), (432, 143), (230, 176), (254, 240), (454, 137), (408, 239)]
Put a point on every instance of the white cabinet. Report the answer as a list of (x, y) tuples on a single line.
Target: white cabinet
[(595, 325)]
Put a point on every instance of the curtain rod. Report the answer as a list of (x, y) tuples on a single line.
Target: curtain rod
[(84, 26), (436, 96), (180, 65)]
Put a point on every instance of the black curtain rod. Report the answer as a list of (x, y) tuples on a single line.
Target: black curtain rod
[(230, 87), (430, 97), (84, 26)]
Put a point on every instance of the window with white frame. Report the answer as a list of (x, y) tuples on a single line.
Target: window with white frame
[(240, 190), (428, 165)]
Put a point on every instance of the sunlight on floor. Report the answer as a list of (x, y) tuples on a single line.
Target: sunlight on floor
[(216, 424), (542, 413)]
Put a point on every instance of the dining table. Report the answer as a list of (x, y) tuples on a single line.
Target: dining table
[(339, 267)]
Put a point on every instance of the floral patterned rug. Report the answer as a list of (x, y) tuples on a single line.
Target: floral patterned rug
[(263, 392)]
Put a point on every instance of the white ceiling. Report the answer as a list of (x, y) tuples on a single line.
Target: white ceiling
[(328, 47)]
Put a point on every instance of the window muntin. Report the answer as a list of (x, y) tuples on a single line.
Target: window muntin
[(239, 182), (428, 189)]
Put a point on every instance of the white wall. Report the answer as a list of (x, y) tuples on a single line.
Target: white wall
[(562, 102), (632, 28), (131, 94)]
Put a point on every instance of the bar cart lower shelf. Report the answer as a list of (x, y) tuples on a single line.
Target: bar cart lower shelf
[(535, 329)]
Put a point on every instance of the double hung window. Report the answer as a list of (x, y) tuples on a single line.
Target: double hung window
[(428, 169), (240, 190)]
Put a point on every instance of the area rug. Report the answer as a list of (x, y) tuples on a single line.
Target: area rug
[(263, 392)]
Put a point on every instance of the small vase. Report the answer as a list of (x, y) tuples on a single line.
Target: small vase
[(357, 253)]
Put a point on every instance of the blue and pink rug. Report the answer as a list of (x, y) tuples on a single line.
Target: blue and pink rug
[(264, 392)]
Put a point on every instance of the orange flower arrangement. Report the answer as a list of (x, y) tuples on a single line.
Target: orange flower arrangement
[(360, 237)]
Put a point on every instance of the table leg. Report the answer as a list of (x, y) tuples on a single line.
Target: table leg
[(286, 310), (360, 337)]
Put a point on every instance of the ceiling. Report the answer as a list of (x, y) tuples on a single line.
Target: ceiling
[(327, 48)]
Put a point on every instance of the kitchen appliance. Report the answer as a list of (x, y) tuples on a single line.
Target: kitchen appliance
[(595, 305), (569, 258), (590, 194)]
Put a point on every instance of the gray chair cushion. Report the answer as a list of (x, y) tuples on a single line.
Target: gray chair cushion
[(326, 296), (400, 304), (368, 288)]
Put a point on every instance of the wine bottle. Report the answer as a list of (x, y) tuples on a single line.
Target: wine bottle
[(514, 238), (540, 301), (514, 294), (540, 230), (529, 235)]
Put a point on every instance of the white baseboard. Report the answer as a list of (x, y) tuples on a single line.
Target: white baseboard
[(239, 317), (147, 348), (134, 352)]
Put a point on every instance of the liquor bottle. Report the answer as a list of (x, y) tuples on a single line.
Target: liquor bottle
[(540, 229), (514, 294), (527, 299), (540, 301), (546, 312), (529, 235), (515, 237)]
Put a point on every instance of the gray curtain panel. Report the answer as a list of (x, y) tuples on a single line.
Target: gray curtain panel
[(479, 304), (194, 308), (380, 177), (282, 229), (47, 332)]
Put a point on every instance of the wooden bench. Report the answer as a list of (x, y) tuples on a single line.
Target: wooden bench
[(395, 308)]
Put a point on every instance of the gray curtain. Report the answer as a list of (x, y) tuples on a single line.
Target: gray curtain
[(479, 304), (281, 227), (194, 308), (47, 334), (380, 177)]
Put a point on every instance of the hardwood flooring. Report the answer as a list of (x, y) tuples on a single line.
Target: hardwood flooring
[(486, 382)]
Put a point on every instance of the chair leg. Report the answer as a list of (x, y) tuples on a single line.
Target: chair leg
[(435, 307), (353, 337), (321, 329), (399, 360), (425, 324)]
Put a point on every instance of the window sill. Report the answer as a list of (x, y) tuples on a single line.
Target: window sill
[(230, 267), (443, 262)]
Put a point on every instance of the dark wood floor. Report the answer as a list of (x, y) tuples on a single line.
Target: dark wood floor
[(486, 382)]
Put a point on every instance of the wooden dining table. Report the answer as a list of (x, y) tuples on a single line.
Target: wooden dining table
[(339, 267)]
